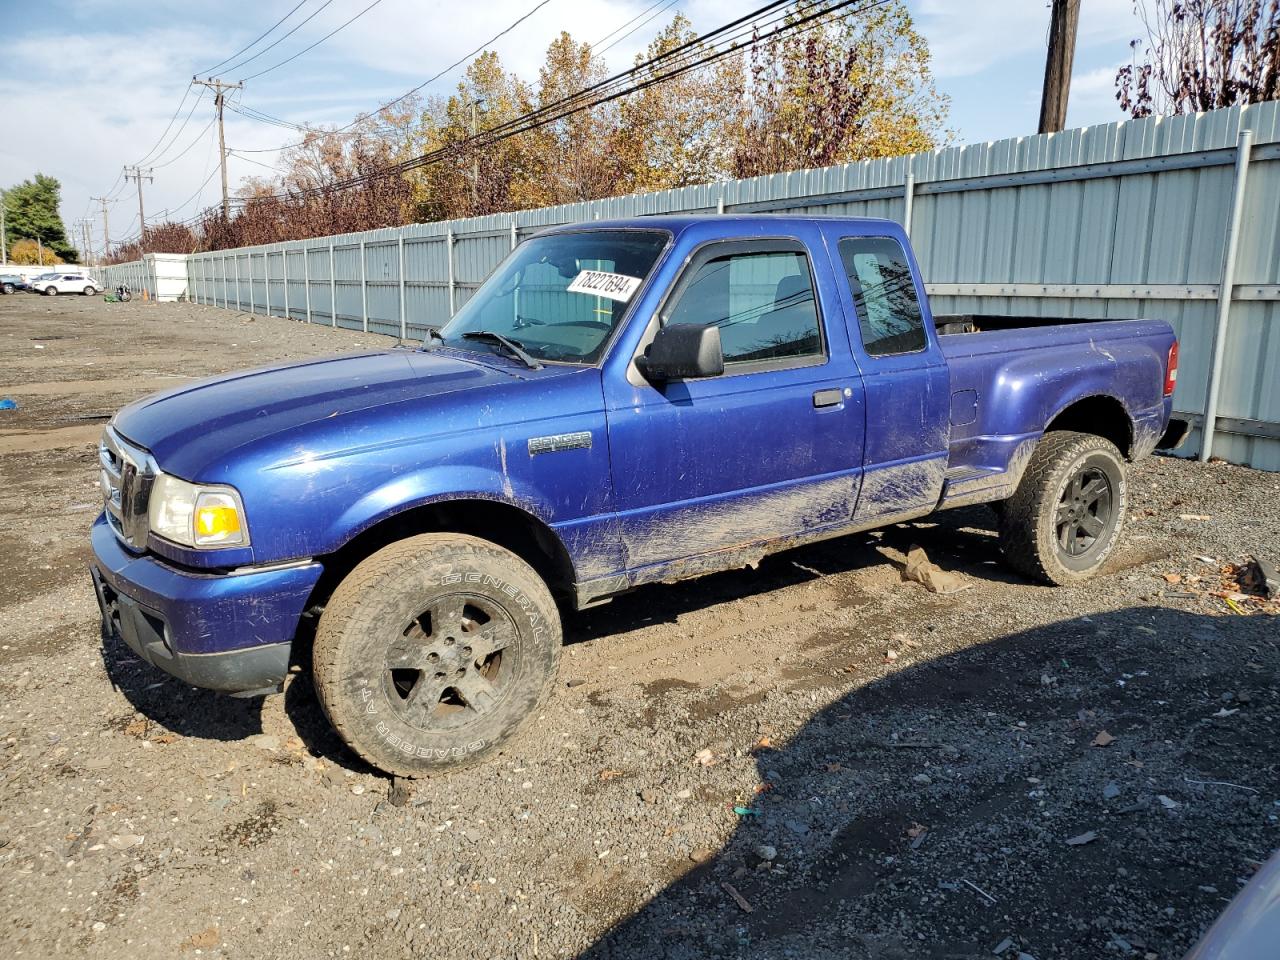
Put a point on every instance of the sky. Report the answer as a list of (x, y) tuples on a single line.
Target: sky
[(91, 85)]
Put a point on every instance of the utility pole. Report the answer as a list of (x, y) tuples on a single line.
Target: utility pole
[(106, 234), (86, 248), (219, 97), (1057, 66), (135, 173), (475, 158)]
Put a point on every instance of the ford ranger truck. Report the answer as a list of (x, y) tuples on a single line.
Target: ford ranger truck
[(620, 403)]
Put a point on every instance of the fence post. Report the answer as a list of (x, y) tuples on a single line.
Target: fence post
[(400, 250), (266, 278), (515, 236), (364, 293), (448, 252), (1209, 426), (284, 272), (306, 278), (908, 200), (333, 290)]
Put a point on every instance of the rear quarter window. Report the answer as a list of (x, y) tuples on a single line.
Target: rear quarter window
[(884, 295)]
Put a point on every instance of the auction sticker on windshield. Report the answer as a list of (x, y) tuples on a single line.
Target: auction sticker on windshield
[(615, 286)]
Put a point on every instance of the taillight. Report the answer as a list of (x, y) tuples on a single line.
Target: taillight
[(1171, 371)]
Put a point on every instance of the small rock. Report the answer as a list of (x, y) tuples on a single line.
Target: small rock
[(401, 793), (1227, 697), (766, 852), (701, 855), (97, 763), (1080, 839), (684, 794), (123, 841), (797, 827), (264, 741), (357, 789), (1111, 791), (891, 654), (649, 796), (1167, 802), (923, 779), (1002, 946)]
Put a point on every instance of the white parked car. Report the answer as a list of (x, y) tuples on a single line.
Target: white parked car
[(53, 284)]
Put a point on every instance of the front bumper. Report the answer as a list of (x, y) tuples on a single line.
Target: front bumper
[(227, 632)]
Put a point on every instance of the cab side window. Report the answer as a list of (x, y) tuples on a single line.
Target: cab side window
[(763, 302), (884, 295)]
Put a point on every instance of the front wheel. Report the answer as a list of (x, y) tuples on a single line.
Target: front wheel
[(433, 652), (50, 291), (8, 288), (1068, 512), (90, 290)]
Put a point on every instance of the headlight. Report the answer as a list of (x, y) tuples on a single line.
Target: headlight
[(195, 515)]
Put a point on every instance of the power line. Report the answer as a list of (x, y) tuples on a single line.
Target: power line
[(638, 26), (740, 33), (262, 36), (185, 120), (317, 43), (187, 149), (267, 118), (277, 41), (148, 154), (628, 23)]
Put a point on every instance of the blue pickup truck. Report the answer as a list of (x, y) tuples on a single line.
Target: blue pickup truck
[(620, 403)]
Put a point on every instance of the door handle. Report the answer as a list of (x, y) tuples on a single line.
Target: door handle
[(827, 398)]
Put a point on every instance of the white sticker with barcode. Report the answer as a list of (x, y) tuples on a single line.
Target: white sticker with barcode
[(615, 286)]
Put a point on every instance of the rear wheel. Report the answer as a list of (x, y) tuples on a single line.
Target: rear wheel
[(434, 651), (1068, 511)]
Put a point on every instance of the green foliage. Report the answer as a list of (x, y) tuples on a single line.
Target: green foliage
[(31, 212)]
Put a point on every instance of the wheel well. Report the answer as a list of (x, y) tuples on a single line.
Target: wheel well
[(1102, 416), (509, 527)]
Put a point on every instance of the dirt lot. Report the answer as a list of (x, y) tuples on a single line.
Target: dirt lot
[(815, 759)]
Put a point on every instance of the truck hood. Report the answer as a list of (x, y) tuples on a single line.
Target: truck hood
[(189, 427)]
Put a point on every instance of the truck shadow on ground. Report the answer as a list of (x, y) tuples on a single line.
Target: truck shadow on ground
[(964, 800)]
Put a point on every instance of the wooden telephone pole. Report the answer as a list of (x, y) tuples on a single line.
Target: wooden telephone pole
[(136, 173), (1057, 66), (106, 231), (219, 97)]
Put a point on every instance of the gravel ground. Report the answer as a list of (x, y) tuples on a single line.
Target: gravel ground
[(813, 759)]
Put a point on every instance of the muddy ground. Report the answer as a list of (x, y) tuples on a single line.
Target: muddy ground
[(814, 759)]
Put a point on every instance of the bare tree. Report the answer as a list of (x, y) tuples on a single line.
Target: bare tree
[(1201, 55)]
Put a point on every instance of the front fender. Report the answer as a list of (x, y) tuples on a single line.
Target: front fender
[(436, 484)]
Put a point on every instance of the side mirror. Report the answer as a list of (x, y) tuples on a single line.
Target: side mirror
[(683, 351)]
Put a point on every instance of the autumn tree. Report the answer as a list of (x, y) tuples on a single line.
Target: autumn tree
[(467, 179), (677, 133), (28, 252), (855, 88), (1201, 55), (575, 153)]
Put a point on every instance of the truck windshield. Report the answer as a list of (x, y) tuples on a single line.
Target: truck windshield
[(560, 297)]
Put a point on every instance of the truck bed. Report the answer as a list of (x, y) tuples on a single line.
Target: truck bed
[(1001, 368)]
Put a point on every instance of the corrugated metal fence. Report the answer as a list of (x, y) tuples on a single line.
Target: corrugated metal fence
[(1128, 219)]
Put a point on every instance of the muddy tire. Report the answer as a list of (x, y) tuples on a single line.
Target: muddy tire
[(433, 652), (1068, 512)]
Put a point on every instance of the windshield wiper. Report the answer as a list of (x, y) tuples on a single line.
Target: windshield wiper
[(513, 346)]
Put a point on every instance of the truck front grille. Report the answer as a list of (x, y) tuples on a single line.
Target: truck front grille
[(127, 473)]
